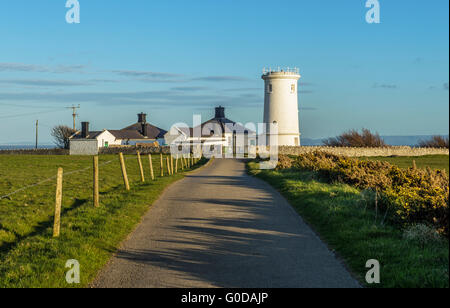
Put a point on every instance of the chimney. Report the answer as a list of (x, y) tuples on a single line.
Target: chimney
[(84, 129), (220, 112), (142, 119)]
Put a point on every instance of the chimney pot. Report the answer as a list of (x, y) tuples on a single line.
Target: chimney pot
[(142, 118), (220, 112), (84, 129)]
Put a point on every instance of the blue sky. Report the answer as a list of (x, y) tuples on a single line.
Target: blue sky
[(171, 59)]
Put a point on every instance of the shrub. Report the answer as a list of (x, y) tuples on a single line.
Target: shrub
[(411, 195), (61, 134), (421, 233), (353, 138), (435, 142)]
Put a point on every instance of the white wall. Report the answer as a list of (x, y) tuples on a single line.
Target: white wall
[(107, 137), (281, 105)]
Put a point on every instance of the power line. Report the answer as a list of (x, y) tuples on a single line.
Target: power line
[(28, 114), (31, 106)]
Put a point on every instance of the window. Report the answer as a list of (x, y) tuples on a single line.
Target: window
[(269, 88), (292, 88)]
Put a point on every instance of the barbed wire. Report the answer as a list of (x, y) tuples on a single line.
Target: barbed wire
[(49, 179), (54, 177)]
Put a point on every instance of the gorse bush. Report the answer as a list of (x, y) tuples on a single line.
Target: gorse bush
[(410, 195)]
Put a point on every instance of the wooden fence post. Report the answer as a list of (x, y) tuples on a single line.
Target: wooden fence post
[(140, 166), (181, 160), (58, 201), (162, 164), (151, 166), (171, 164), (168, 165), (176, 164), (124, 172), (95, 190)]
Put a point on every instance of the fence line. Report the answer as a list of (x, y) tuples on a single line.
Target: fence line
[(96, 167), (49, 179), (54, 177)]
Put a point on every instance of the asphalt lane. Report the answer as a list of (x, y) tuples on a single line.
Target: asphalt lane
[(220, 227)]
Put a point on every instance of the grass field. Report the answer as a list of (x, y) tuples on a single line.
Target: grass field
[(432, 161), (344, 219), (29, 256)]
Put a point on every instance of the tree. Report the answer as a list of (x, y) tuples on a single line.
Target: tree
[(61, 134), (435, 142), (353, 138)]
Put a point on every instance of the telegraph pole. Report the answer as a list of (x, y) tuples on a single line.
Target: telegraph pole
[(74, 114), (37, 126)]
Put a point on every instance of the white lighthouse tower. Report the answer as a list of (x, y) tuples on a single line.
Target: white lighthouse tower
[(281, 103)]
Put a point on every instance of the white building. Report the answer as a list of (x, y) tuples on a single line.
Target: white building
[(281, 104), (135, 134), (219, 132)]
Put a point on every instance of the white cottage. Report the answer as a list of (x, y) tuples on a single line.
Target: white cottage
[(218, 132), (138, 133)]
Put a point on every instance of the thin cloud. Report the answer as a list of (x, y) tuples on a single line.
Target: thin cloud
[(161, 80), (385, 86), (220, 78), (161, 98), (130, 73), (22, 67), (243, 89), (306, 92), (189, 89), (40, 83)]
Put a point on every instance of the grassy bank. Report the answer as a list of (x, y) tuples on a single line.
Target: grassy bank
[(346, 221), (29, 256), (433, 161)]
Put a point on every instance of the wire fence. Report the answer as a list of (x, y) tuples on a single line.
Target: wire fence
[(49, 179), (159, 165)]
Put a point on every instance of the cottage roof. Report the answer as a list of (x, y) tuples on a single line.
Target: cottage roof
[(91, 135), (152, 132), (127, 134)]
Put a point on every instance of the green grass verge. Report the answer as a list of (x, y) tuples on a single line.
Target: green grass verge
[(341, 216), (29, 256), (433, 161)]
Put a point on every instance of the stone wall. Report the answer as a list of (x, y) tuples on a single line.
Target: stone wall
[(35, 152), (133, 149), (353, 152), (365, 152)]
